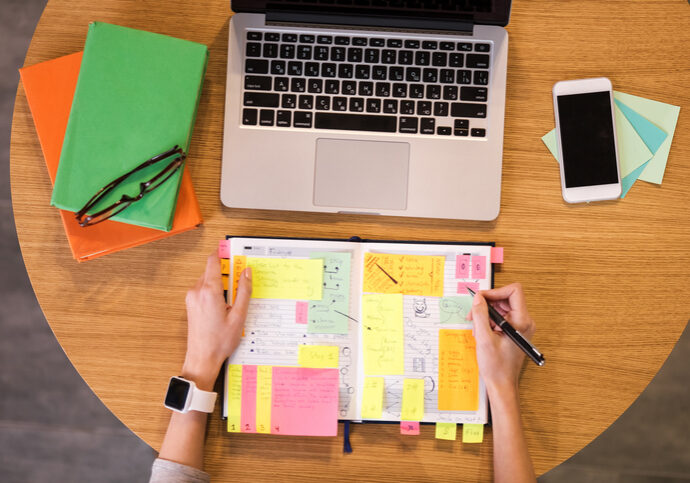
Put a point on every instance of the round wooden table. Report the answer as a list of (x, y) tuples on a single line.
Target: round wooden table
[(607, 283)]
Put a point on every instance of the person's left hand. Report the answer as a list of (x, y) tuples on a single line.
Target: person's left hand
[(214, 328)]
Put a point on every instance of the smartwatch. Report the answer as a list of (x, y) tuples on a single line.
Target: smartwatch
[(183, 396)]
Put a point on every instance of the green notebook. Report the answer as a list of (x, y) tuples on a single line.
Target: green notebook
[(136, 97)]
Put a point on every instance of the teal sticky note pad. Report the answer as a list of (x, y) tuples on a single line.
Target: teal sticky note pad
[(453, 310), (651, 135), (330, 314)]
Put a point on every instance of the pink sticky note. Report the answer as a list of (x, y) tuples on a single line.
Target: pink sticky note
[(462, 287), (301, 310), (409, 427), (478, 266), (496, 254), (304, 401), (462, 266), (248, 412), (224, 249)]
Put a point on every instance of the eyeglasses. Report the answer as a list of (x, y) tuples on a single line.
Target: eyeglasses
[(125, 201)]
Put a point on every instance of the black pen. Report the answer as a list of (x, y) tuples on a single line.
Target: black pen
[(514, 335)]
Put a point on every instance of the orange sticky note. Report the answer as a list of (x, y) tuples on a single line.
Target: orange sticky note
[(239, 263), (406, 274), (458, 374), (224, 266), (409, 427)]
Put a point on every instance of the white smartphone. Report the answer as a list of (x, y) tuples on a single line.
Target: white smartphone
[(586, 133)]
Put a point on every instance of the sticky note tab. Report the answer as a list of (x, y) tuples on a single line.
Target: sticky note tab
[(410, 428), (462, 287), (224, 266), (446, 431), (478, 266), (264, 376), (372, 398), (234, 385), (458, 374), (224, 249), (462, 266), (472, 433), (405, 274), (286, 278), (318, 356), (330, 315), (382, 334), (496, 254), (301, 311), (305, 401), (412, 400), (455, 309), (248, 418), (239, 263)]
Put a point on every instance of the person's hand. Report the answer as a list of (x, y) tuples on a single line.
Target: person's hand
[(214, 328), (498, 358)]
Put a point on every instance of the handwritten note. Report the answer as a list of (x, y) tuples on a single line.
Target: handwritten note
[(234, 385), (405, 274), (478, 266), (318, 356), (446, 431), (372, 398), (410, 428), (286, 278), (248, 420), (383, 334), (330, 315), (462, 266), (305, 401), (458, 375), (455, 309), (239, 263), (463, 286), (472, 433), (301, 311), (264, 379), (412, 400)]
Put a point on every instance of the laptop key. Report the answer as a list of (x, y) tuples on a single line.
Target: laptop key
[(439, 59), (272, 36), (306, 39), (304, 52), (433, 91), (254, 35), (464, 46), (323, 103), (321, 52), (456, 60), (324, 39), (427, 125), (464, 77), (390, 106), (332, 86), (412, 44), (414, 74), (447, 76), (443, 131), (396, 73), (374, 105), (461, 132), (447, 45), (450, 93), (253, 49), (371, 56), (289, 101), (278, 67), (346, 71), (292, 38), (366, 88), (315, 86), (395, 43), (478, 133), (377, 42), (329, 69), (406, 107), (388, 56), (311, 69), (340, 103), (441, 109), (338, 54), (481, 77), (270, 51), (416, 91), (430, 75), (355, 122), (298, 84), (359, 41), (408, 125), (482, 47), (430, 45), (281, 84), (356, 104), (257, 83), (340, 40), (349, 88), (256, 66), (379, 72), (473, 94), (266, 117), (287, 51), (477, 61), (405, 57), (461, 124), (306, 102), (354, 54), (362, 71), (424, 108), (383, 89), (421, 57), (249, 117), (302, 119), (399, 90), (460, 109), (261, 99)]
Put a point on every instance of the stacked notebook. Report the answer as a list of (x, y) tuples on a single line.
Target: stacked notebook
[(130, 96)]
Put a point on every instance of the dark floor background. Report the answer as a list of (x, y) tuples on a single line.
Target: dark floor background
[(53, 428)]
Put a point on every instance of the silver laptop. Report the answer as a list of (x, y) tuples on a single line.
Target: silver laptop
[(390, 107)]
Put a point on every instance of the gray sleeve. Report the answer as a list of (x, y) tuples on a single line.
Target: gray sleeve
[(164, 471)]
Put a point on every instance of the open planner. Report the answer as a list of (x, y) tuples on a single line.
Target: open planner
[(354, 330)]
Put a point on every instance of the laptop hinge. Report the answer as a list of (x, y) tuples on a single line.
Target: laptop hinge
[(369, 22)]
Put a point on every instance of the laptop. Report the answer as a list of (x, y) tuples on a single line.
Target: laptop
[(389, 107)]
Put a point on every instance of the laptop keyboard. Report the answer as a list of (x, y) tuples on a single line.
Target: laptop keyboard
[(376, 84)]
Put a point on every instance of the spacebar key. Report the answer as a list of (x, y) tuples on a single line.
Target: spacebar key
[(355, 122)]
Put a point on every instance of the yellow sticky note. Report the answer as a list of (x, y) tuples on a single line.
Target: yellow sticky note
[(286, 278), (412, 400), (318, 356), (239, 263), (264, 379), (472, 433), (446, 431), (406, 274), (224, 266), (382, 333), (458, 374), (372, 398), (234, 385)]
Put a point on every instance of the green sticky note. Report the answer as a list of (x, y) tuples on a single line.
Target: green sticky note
[(446, 431), (651, 135), (330, 314), (454, 309), (472, 433)]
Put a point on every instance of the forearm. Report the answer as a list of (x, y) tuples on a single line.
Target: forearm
[(512, 462)]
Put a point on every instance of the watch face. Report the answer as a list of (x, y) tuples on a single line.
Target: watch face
[(177, 393)]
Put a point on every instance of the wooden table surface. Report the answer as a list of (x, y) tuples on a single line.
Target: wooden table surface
[(608, 284)]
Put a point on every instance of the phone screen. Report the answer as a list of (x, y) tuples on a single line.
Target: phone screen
[(587, 139)]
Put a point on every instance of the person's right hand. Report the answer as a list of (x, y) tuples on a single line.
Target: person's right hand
[(498, 358)]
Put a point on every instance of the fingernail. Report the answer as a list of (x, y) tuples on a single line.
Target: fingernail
[(248, 273)]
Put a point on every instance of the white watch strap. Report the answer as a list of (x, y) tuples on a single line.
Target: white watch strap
[(203, 401)]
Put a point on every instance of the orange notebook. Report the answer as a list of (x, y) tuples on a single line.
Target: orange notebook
[(49, 88)]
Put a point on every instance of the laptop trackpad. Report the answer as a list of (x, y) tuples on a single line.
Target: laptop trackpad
[(361, 174)]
